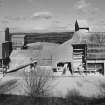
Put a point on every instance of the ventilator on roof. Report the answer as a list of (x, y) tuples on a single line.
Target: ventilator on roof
[(81, 25)]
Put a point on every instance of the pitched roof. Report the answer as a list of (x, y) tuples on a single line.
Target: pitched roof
[(97, 38), (62, 53)]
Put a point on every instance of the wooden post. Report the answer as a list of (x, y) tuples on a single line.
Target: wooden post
[(4, 71)]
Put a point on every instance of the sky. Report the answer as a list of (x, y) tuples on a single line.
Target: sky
[(28, 15)]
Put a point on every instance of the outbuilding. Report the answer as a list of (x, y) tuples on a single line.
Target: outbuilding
[(18, 41)]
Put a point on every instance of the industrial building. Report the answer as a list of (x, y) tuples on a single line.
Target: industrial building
[(18, 41), (85, 51), (5, 48)]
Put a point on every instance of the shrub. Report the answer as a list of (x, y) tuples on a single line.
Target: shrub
[(38, 82)]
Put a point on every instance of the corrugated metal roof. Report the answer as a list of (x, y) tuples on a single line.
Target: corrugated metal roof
[(89, 38), (79, 37)]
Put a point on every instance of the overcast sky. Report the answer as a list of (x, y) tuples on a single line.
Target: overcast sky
[(51, 14)]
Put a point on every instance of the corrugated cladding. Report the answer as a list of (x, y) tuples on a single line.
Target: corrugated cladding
[(4, 50), (2, 36), (95, 42), (18, 40), (96, 46), (1, 50)]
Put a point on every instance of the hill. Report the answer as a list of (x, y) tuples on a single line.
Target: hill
[(53, 37)]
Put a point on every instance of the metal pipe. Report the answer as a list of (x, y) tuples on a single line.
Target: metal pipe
[(21, 67)]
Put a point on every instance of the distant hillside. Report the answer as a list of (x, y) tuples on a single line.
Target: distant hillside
[(53, 37)]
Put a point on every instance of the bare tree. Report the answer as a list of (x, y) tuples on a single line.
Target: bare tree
[(38, 82)]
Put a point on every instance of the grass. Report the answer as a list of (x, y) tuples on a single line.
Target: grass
[(72, 98), (7, 86), (26, 100)]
